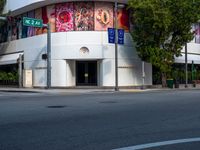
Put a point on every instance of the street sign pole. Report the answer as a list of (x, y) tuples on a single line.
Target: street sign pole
[(39, 23), (49, 55)]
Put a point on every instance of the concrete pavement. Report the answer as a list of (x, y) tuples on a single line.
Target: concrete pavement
[(81, 90), (99, 121)]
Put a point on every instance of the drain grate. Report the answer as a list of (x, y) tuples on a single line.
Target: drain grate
[(108, 102), (57, 106)]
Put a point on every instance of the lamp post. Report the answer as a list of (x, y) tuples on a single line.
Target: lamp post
[(116, 50), (116, 44)]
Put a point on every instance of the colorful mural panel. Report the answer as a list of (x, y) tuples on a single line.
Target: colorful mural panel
[(123, 19), (19, 27), (31, 30), (38, 15), (196, 29), (51, 14), (24, 28), (103, 16), (64, 17), (84, 16), (14, 29), (4, 33)]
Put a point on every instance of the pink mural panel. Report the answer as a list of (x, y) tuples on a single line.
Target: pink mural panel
[(103, 16), (64, 17), (51, 15), (84, 16), (123, 19)]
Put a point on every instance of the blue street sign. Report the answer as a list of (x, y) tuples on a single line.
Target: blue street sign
[(120, 36), (111, 35)]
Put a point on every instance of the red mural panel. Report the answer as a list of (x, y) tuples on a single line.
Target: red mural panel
[(103, 16), (84, 16), (123, 19), (64, 17), (44, 18)]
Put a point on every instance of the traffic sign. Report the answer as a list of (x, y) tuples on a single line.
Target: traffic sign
[(32, 22), (111, 35), (120, 36)]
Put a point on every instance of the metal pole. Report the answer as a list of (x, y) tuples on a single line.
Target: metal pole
[(193, 71), (186, 67), (48, 55), (116, 50), (20, 70), (143, 74)]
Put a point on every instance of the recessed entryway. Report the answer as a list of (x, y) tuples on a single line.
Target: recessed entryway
[(86, 73)]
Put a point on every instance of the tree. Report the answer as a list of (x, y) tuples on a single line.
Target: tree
[(161, 28), (2, 4)]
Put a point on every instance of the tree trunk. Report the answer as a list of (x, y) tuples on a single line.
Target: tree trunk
[(164, 79)]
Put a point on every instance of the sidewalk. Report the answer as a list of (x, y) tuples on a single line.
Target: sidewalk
[(54, 90), (81, 90)]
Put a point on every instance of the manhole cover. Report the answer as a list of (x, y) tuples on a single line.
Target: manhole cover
[(57, 106), (108, 102)]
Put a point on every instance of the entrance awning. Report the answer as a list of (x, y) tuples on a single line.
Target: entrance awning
[(9, 59)]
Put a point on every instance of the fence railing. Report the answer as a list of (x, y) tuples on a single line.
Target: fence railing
[(9, 83)]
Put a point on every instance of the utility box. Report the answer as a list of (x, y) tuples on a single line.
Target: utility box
[(170, 83), (28, 78)]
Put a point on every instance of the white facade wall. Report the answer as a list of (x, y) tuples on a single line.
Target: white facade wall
[(66, 50), (193, 51)]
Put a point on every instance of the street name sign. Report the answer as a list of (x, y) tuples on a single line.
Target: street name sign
[(32, 22), (111, 35), (120, 36)]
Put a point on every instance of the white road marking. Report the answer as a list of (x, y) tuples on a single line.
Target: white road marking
[(158, 144)]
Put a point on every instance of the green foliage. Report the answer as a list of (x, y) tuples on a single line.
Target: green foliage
[(161, 29), (8, 76)]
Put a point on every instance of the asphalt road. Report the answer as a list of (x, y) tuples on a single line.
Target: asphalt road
[(99, 121)]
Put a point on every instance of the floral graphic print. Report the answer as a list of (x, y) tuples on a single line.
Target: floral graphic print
[(84, 16)]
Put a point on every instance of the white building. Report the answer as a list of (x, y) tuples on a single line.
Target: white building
[(81, 54)]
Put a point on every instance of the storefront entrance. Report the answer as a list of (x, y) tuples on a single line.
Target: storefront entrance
[(86, 73)]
